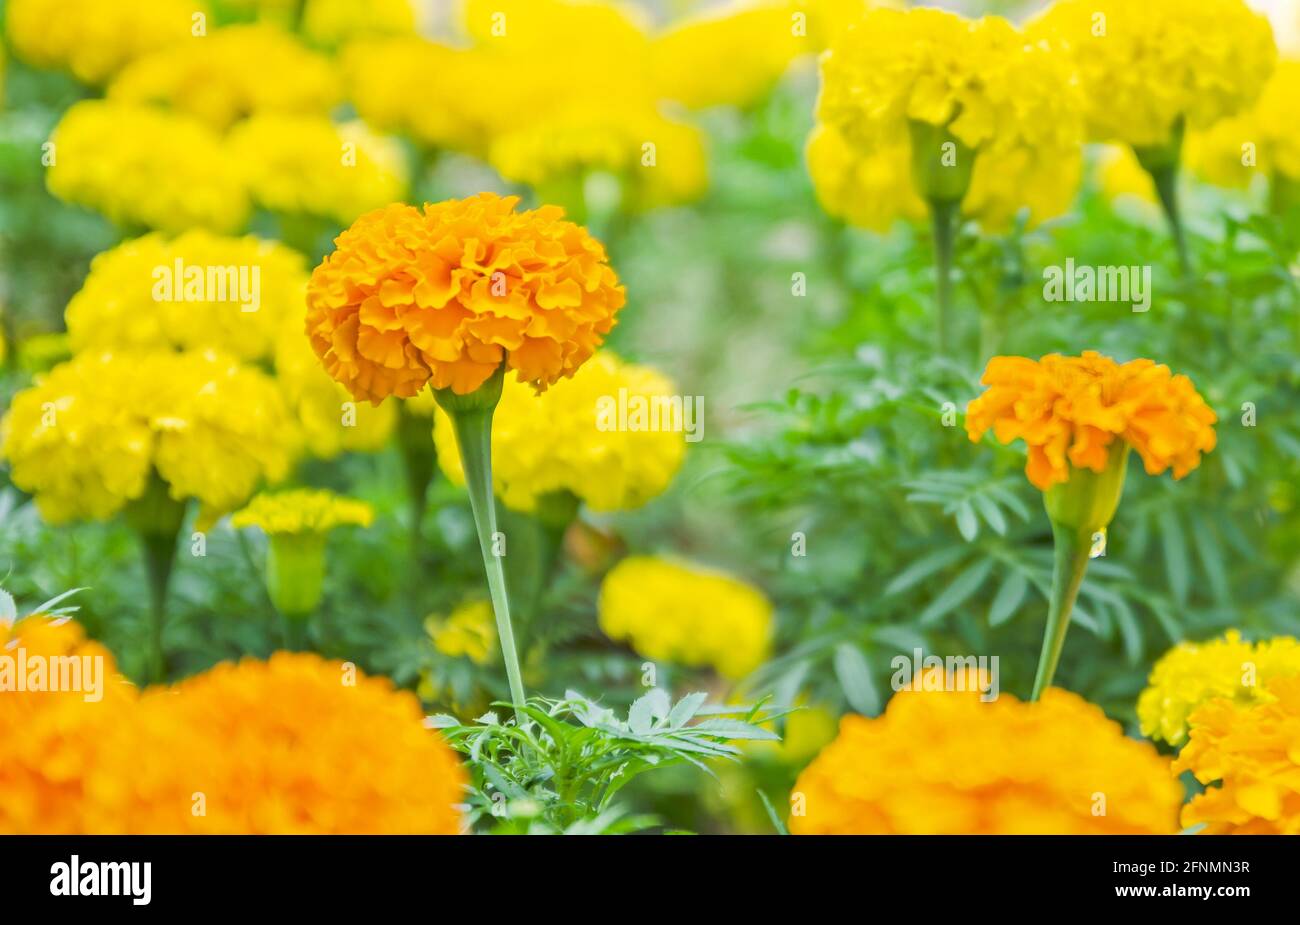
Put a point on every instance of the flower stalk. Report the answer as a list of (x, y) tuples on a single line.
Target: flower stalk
[(941, 172), (471, 416), (156, 519), (1162, 164)]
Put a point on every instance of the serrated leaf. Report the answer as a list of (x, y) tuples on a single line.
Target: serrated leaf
[(991, 513), (924, 567), (650, 706), (953, 596), (1008, 599), (685, 709), (967, 523), (1174, 545), (855, 679)]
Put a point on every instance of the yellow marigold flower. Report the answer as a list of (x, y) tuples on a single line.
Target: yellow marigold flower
[(1069, 410), (1147, 67), (1260, 140), (38, 353), (307, 165), (51, 740), (447, 112), (193, 291), (213, 78), (293, 745), (866, 190), (469, 632), (93, 39), (1252, 749), (989, 118), (85, 438), (558, 441), (730, 57), (660, 161), (686, 614), (1119, 174), (142, 167), (302, 510), (1192, 673), (333, 22), (945, 762), (445, 295), (329, 419)]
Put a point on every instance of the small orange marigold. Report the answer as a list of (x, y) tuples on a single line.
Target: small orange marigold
[(444, 295), (1069, 410)]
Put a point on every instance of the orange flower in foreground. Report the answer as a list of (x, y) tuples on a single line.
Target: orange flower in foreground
[(945, 762), (444, 295), (1253, 751), (1069, 410), (293, 745), (50, 740)]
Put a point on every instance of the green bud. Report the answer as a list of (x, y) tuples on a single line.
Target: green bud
[(1087, 501), (295, 572), (941, 165)]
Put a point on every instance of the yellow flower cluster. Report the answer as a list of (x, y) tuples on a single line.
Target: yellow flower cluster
[(866, 190), (142, 167), (1252, 749), (332, 23), (86, 437), (1069, 410), (468, 632), (329, 420), (731, 57), (687, 615), (302, 510), (442, 296), (93, 39), (1145, 68), (557, 441), (49, 740), (982, 100), (1193, 673), (1260, 140), (308, 165), (230, 74), (1119, 174), (945, 762), (189, 292)]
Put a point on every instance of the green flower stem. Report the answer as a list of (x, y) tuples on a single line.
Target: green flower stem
[(295, 632), (944, 214), (471, 416), (1072, 548), (1166, 183), (159, 556)]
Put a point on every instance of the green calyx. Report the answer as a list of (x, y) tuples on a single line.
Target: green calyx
[(484, 398), (1087, 501), (941, 164), (295, 572)]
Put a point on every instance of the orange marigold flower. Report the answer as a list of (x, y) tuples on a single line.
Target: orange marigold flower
[(50, 740), (1253, 750), (444, 295), (945, 762), (1069, 410), (293, 745)]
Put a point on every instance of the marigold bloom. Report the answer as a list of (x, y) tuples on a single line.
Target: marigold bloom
[(945, 762), (293, 745), (1252, 749), (332, 23), (1146, 67), (1119, 174), (210, 78), (302, 510), (585, 138), (1191, 674), (1002, 107), (1069, 410), (686, 614), (307, 165), (51, 740), (557, 441), (1265, 132), (445, 295), (93, 39), (142, 167), (329, 420), (183, 293), (86, 437), (468, 631), (866, 190), (732, 57)]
